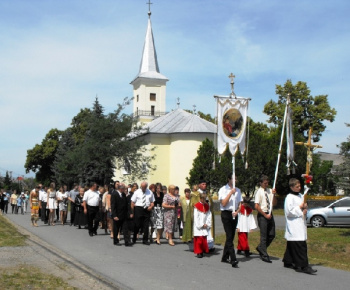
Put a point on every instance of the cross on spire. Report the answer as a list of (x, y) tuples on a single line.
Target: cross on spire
[(232, 77), (149, 8)]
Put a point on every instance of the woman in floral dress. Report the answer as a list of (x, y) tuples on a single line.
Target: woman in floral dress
[(170, 204)]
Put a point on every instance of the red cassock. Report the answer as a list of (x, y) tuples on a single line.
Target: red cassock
[(200, 244)]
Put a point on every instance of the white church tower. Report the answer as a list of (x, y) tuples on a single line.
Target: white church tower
[(149, 86)]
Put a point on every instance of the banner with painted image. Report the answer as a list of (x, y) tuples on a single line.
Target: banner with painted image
[(232, 121)]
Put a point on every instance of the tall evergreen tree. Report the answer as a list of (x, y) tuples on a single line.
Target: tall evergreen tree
[(7, 181), (66, 163), (97, 144)]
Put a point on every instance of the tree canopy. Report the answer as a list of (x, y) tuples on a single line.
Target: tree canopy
[(308, 111), (261, 159), (91, 148), (41, 157)]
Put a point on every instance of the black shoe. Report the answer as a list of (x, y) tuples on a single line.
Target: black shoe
[(266, 259), (235, 264), (306, 270), (151, 241), (260, 253), (128, 244), (95, 233), (146, 243), (212, 250), (288, 265), (91, 234), (239, 252), (225, 260), (247, 254), (199, 255)]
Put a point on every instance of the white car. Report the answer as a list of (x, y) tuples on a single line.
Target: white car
[(337, 214)]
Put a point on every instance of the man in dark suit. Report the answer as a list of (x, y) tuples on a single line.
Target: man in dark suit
[(119, 206)]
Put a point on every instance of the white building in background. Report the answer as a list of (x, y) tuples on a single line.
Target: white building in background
[(176, 136)]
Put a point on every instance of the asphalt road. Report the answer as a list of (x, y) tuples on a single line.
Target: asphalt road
[(166, 267)]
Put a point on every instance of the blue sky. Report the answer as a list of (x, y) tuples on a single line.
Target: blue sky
[(57, 55)]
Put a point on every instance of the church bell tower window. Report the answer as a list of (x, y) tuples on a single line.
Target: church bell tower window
[(152, 97)]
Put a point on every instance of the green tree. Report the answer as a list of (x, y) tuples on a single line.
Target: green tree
[(7, 181), (203, 164), (343, 170), (41, 157), (204, 116), (260, 159), (323, 179), (97, 143), (65, 165), (308, 111)]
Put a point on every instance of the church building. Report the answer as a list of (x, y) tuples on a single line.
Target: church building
[(176, 135)]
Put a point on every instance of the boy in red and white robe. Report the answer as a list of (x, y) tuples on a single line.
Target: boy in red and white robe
[(246, 224), (201, 226)]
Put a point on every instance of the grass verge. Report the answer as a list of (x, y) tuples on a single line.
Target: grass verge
[(24, 276), (29, 277), (9, 236), (329, 247)]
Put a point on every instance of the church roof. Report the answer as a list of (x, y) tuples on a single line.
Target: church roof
[(336, 158), (180, 121), (149, 63)]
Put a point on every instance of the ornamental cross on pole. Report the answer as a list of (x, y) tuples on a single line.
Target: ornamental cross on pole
[(232, 77), (310, 147)]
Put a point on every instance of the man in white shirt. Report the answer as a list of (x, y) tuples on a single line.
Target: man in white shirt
[(142, 203), (43, 205), (264, 200), (91, 201), (230, 197)]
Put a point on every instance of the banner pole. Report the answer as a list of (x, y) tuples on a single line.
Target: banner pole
[(233, 171), (280, 147)]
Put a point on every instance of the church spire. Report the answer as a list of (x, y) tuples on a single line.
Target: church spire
[(149, 84), (149, 63)]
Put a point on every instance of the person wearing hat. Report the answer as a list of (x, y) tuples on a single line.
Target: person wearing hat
[(194, 199)]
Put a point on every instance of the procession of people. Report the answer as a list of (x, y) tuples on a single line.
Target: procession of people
[(145, 213)]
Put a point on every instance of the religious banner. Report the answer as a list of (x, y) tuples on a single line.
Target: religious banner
[(290, 140), (232, 121)]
